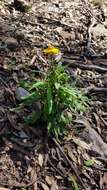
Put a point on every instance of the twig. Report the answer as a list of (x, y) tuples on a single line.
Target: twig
[(96, 90), (14, 146), (100, 169), (70, 163), (83, 66), (102, 76), (17, 184), (89, 33), (103, 159), (4, 83), (33, 60), (58, 171), (54, 21), (41, 58), (25, 145)]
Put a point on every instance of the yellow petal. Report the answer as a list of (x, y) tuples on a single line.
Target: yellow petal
[(51, 50)]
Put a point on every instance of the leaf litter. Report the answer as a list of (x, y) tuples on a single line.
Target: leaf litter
[(27, 158)]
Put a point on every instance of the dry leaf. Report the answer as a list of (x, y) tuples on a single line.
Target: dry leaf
[(49, 180), (83, 121), (98, 122), (44, 186), (95, 140), (58, 177), (81, 143), (103, 181), (40, 159), (71, 155), (34, 178), (33, 60), (54, 186)]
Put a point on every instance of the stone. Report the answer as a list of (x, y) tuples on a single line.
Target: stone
[(11, 43), (21, 92), (21, 5)]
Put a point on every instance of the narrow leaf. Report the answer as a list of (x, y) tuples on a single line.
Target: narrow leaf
[(75, 185), (49, 99), (39, 84)]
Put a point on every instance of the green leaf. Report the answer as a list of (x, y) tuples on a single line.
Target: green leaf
[(30, 99), (57, 85), (17, 109), (25, 84), (89, 162), (57, 96), (39, 84), (33, 118), (63, 118), (75, 185), (49, 99), (49, 126)]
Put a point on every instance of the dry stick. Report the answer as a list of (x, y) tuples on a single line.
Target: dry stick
[(14, 146), (4, 83), (83, 66), (89, 33), (58, 171), (17, 184), (69, 162), (103, 159), (100, 90), (96, 90), (25, 145), (55, 21), (90, 90)]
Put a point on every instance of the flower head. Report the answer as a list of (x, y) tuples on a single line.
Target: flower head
[(51, 50)]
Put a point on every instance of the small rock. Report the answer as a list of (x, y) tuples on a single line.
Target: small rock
[(21, 92), (11, 43), (21, 5)]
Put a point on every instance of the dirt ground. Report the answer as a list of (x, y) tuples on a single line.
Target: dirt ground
[(28, 160)]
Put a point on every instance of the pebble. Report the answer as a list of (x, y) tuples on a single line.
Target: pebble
[(21, 5), (21, 92), (11, 43)]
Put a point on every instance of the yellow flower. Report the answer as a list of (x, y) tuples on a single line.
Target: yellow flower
[(51, 50)]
